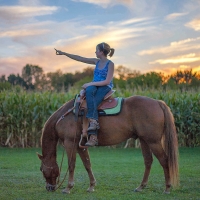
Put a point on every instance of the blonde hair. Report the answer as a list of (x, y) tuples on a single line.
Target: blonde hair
[(106, 49)]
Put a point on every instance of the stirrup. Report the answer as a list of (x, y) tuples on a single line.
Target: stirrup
[(84, 134)]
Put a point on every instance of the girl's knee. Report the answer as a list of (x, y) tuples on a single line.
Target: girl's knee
[(90, 89)]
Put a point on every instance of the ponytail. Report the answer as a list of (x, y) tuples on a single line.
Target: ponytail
[(111, 52)]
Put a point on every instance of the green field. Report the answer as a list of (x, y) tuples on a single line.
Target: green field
[(118, 173)]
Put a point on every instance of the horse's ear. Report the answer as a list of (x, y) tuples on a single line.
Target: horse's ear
[(39, 156)]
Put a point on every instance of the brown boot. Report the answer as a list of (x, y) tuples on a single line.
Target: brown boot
[(94, 125), (93, 141)]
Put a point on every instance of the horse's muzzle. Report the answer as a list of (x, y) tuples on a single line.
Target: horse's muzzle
[(50, 187)]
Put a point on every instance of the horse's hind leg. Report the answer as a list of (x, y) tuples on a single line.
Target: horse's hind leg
[(148, 159), (71, 154), (84, 154), (160, 154)]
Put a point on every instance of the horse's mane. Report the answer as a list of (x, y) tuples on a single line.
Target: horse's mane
[(58, 113)]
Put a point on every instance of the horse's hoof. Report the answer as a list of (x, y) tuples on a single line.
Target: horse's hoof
[(66, 191), (166, 192), (90, 190), (138, 190)]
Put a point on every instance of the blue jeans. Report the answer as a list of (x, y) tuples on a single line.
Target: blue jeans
[(94, 96)]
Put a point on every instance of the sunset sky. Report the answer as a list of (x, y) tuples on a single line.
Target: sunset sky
[(147, 35)]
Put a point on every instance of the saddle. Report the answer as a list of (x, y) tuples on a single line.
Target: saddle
[(80, 104), (108, 102)]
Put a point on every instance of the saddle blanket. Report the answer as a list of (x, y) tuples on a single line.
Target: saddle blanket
[(105, 109), (112, 111)]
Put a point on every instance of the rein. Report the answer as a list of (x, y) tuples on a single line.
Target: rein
[(61, 118), (68, 165)]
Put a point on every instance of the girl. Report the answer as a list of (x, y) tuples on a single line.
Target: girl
[(102, 83)]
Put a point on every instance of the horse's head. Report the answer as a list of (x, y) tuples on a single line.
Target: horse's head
[(50, 173)]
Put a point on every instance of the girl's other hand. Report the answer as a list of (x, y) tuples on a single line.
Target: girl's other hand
[(86, 85)]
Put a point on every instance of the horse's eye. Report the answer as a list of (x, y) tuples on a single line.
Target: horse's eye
[(41, 169)]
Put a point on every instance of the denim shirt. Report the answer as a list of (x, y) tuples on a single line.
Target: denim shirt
[(101, 74)]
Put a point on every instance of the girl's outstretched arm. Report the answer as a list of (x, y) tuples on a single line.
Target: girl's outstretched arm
[(78, 58)]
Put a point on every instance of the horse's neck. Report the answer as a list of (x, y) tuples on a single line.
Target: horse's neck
[(49, 148), (49, 138)]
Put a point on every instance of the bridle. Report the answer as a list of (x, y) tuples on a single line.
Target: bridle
[(58, 178), (48, 185), (47, 166)]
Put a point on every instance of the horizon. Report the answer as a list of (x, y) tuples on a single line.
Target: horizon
[(160, 36)]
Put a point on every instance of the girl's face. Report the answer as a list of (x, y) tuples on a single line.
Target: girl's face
[(98, 52)]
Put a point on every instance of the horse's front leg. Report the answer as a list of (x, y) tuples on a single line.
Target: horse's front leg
[(71, 148), (85, 157)]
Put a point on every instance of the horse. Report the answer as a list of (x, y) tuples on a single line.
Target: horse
[(149, 120)]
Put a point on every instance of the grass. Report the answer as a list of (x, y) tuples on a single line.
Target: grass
[(118, 173)]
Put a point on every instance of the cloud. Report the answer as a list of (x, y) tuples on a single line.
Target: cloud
[(174, 16), (194, 24), (182, 45), (65, 41), (188, 58), (30, 3), (23, 33), (136, 7), (20, 12), (117, 34), (133, 21), (173, 57), (107, 3), (112, 32)]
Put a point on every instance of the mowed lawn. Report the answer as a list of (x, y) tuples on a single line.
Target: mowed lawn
[(118, 173)]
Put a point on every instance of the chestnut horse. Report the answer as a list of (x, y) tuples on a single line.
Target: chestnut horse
[(149, 120)]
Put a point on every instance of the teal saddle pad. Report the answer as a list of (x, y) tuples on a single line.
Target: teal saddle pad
[(112, 111)]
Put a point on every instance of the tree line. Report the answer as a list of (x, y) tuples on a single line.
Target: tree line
[(33, 78)]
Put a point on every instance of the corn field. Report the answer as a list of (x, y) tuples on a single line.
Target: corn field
[(23, 114)]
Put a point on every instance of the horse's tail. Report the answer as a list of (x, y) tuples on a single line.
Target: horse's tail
[(170, 144)]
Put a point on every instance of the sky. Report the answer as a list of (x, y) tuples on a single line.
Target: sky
[(147, 35)]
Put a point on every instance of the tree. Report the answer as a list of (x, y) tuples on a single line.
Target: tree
[(3, 79), (122, 72), (151, 79), (68, 80), (183, 76), (17, 80), (32, 75), (56, 80), (124, 75), (87, 72)]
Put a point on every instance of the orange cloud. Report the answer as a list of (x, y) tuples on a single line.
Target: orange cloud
[(22, 33), (179, 59), (194, 24), (106, 3), (174, 16), (18, 12), (183, 45)]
